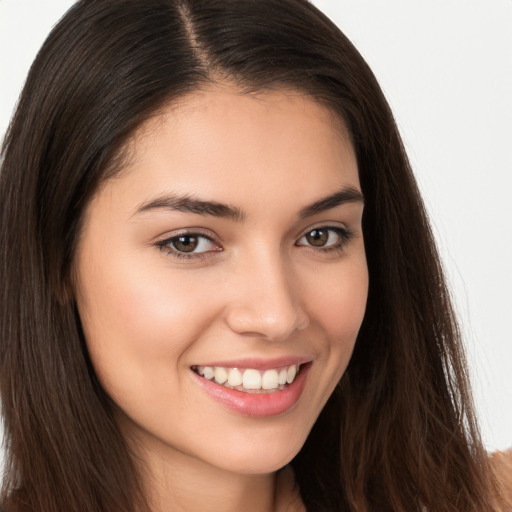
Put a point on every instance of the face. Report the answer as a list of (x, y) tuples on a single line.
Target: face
[(221, 277)]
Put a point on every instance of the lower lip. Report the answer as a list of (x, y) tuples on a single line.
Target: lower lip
[(257, 404)]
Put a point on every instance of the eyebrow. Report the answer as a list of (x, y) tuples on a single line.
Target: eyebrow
[(189, 204), (343, 196)]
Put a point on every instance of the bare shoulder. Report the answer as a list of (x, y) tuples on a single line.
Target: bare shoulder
[(501, 463)]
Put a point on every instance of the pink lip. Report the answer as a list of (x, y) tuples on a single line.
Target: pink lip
[(260, 364), (257, 404)]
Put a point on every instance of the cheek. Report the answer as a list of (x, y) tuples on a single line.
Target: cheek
[(133, 316), (338, 308), (340, 303)]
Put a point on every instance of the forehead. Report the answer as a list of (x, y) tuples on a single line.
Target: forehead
[(224, 142)]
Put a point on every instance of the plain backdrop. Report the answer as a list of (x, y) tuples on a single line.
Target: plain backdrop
[(446, 68)]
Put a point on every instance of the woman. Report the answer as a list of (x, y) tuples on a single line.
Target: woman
[(217, 265)]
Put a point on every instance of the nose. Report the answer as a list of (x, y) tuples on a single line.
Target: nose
[(266, 300)]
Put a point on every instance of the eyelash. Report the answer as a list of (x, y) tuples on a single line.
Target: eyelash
[(166, 245), (343, 234)]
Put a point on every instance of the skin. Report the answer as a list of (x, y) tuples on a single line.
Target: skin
[(258, 289)]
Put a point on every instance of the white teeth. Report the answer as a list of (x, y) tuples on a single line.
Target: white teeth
[(290, 375), (221, 375), (270, 380), (235, 377), (250, 379), (208, 372)]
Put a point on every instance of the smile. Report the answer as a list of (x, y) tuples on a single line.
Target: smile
[(257, 388), (249, 380)]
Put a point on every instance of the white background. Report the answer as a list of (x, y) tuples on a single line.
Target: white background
[(446, 68)]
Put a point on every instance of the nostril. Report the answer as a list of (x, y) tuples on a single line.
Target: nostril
[(276, 325), (303, 320), (266, 302)]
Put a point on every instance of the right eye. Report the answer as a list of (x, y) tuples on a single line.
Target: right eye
[(188, 245)]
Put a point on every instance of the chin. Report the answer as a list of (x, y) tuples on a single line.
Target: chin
[(265, 450)]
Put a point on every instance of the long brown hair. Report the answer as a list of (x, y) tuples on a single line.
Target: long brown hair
[(399, 431)]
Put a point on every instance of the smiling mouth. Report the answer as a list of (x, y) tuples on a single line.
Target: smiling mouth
[(250, 380)]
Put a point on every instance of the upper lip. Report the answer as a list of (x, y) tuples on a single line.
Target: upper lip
[(259, 363)]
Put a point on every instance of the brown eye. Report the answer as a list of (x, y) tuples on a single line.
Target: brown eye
[(185, 243), (325, 238), (189, 245), (317, 237)]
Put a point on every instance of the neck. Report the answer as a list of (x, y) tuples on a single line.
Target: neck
[(191, 485), (178, 482)]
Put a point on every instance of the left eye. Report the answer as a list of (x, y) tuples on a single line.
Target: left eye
[(323, 237), (190, 243)]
